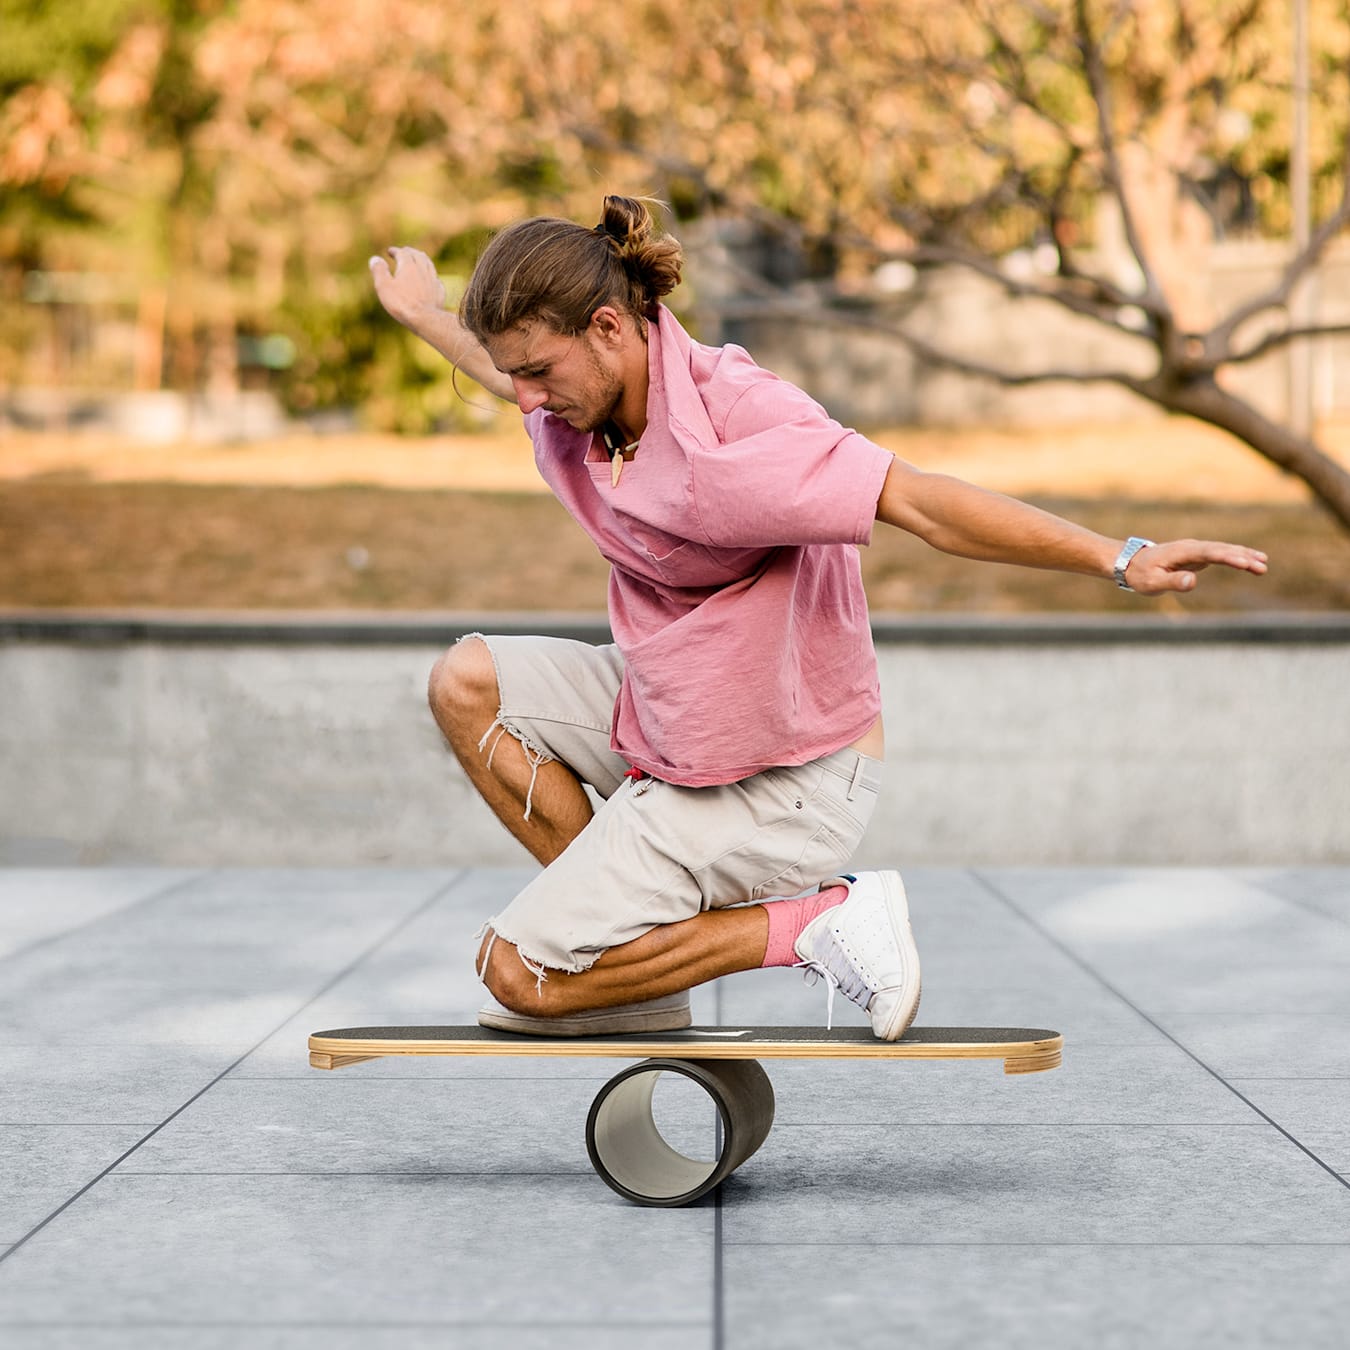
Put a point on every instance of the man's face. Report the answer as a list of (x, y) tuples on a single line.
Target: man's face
[(575, 377)]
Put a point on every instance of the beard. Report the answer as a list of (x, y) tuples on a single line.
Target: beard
[(591, 421), (599, 399)]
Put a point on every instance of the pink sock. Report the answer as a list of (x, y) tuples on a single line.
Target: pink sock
[(787, 918)]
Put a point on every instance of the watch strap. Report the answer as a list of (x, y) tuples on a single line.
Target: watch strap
[(1132, 546)]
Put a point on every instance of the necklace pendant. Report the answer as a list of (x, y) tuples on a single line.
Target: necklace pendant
[(618, 452)]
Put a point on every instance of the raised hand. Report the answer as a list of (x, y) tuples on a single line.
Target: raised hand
[(1174, 566), (413, 294), (412, 290)]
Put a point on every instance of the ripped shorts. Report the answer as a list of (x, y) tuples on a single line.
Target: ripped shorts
[(655, 853)]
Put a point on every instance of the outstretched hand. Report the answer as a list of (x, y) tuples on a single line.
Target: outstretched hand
[(1174, 566), (412, 289)]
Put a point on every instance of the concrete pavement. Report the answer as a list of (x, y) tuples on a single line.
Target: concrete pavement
[(175, 1173)]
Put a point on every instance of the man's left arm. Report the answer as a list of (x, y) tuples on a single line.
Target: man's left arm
[(971, 522)]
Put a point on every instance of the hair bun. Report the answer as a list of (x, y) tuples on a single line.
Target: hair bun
[(653, 257), (560, 272)]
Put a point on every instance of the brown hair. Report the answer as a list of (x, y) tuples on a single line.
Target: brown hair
[(561, 273)]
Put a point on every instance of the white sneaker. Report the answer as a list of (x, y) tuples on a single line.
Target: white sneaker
[(864, 948), (658, 1014)]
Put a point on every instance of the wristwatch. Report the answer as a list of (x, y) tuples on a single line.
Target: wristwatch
[(1132, 546)]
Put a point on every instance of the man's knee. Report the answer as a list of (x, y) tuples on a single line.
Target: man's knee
[(463, 686), (509, 980)]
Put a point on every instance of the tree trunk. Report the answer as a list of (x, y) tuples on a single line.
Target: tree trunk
[(1206, 400), (149, 363)]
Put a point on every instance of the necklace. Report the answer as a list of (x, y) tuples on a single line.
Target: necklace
[(619, 453)]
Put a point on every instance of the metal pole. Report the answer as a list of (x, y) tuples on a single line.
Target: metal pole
[(1301, 301)]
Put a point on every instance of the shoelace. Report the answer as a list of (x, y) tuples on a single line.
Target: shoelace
[(852, 984)]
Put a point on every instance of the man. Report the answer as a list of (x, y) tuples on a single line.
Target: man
[(733, 731)]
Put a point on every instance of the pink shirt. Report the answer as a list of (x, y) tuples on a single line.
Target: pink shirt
[(735, 592)]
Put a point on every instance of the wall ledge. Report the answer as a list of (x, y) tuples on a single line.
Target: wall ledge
[(360, 628)]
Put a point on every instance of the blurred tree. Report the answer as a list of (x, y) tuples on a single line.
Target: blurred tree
[(241, 160), (875, 131), (99, 172), (50, 64)]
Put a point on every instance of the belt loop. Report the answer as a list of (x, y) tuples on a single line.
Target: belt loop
[(856, 779)]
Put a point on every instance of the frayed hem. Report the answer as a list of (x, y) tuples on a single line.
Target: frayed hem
[(535, 755), (537, 967)]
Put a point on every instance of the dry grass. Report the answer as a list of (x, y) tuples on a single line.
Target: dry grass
[(1157, 459), (462, 523)]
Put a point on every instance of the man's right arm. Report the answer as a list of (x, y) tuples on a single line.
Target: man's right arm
[(413, 294)]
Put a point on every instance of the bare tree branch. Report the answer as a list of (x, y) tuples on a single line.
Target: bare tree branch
[(1020, 87), (808, 313), (1278, 295), (1153, 300), (1281, 338)]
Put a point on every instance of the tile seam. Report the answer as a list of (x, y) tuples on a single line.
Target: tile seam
[(1106, 984), (161, 893), (435, 897), (1049, 1244)]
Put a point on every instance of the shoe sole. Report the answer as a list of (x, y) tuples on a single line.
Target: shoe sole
[(897, 908), (588, 1024)]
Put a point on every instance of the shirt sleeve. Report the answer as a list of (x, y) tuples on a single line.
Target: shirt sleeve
[(786, 473)]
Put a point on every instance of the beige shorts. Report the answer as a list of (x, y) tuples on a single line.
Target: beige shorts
[(655, 853)]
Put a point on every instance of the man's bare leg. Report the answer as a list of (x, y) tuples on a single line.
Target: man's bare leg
[(665, 961), (465, 700)]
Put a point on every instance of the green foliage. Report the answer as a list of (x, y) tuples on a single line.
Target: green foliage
[(66, 39), (251, 155), (350, 355)]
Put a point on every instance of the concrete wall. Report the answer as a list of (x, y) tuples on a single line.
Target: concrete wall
[(308, 742), (870, 380), (863, 379)]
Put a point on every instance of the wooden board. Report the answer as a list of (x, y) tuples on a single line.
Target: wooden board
[(1022, 1049)]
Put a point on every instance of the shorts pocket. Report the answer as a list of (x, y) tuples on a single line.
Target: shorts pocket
[(847, 817), (823, 855)]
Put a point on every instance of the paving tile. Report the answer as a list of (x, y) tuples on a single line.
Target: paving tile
[(1108, 1297), (1037, 1184), (320, 907), (1099, 1019), (1256, 974), (349, 1125), (1133, 904), (42, 1166), (361, 1250), (1300, 1103), (938, 894), (1006, 947), (38, 904), (1315, 1111), (690, 1335), (425, 973), (1269, 1045), (210, 1235), (1323, 889), (104, 1085), (1108, 1085), (1166, 916), (223, 960), (1202, 941), (1242, 986)]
